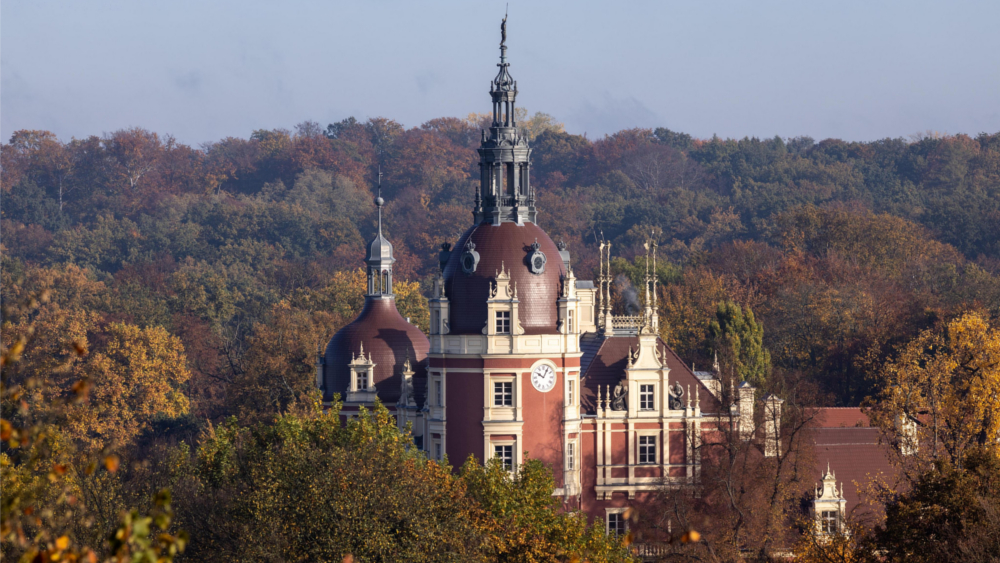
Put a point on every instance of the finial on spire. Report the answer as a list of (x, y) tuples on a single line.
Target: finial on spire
[(379, 202), (503, 28)]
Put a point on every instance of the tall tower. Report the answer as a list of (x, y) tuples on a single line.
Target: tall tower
[(504, 192), (506, 316)]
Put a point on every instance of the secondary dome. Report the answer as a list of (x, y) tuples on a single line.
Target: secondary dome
[(385, 335), (510, 246), (390, 340)]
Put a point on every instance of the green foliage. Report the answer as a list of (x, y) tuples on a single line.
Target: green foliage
[(524, 520), (739, 339), (319, 490)]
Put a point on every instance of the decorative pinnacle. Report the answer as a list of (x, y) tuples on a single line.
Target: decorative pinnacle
[(379, 201)]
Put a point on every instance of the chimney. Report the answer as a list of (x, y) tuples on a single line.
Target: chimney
[(906, 430), (745, 394), (320, 365), (772, 426)]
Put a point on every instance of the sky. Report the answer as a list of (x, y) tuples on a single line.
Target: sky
[(204, 70)]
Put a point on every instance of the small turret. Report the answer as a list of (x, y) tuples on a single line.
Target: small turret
[(504, 193), (379, 259)]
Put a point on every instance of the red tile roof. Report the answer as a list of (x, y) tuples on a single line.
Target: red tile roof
[(838, 417), (856, 458), (604, 362), (390, 340), (506, 245)]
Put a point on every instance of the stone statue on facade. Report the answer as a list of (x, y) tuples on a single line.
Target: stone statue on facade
[(619, 398), (676, 392)]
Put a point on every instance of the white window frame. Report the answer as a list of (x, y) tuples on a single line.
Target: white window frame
[(571, 391), (649, 397), (506, 394), (572, 452), (438, 449), (620, 514), (438, 392), (361, 376), (829, 521), (639, 449), (502, 319), (505, 444)]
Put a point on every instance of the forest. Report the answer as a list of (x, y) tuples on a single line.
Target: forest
[(163, 305)]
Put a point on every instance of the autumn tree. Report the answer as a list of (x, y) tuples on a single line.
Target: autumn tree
[(132, 156), (952, 513), (136, 375), (941, 395), (318, 489), (745, 500), (521, 520), (43, 515)]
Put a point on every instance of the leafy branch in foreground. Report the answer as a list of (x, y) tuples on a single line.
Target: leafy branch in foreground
[(41, 503)]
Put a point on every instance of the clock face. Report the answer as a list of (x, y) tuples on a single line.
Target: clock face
[(543, 378)]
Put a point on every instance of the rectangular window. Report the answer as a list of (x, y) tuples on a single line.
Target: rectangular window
[(362, 379), (572, 393), (437, 451), (437, 394), (503, 394), (829, 520), (435, 321), (616, 524), (506, 456), (571, 331), (503, 322), (646, 397), (647, 449), (571, 456)]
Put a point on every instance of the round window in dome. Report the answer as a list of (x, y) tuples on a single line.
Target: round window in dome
[(536, 260), (470, 258)]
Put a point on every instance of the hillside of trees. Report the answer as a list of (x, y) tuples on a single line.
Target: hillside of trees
[(189, 288)]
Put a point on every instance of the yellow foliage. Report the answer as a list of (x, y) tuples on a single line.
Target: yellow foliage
[(945, 384), (137, 376)]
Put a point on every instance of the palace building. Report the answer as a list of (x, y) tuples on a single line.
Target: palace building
[(522, 357)]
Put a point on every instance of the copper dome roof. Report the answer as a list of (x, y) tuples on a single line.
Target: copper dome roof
[(506, 245), (390, 340)]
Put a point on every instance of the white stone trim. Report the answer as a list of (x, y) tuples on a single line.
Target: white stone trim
[(607, 517)]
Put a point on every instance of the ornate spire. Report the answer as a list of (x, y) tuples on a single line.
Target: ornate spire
[(505, 193), (379, 259)]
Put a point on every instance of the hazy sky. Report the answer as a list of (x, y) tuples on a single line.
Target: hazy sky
[(203, 70)]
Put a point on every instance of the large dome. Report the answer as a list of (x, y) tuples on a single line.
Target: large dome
[(506, 245), (390, 340)]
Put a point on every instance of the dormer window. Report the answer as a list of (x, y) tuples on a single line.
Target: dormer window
[(829, 506), (647, 398), (361, 380), (503, 322)]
